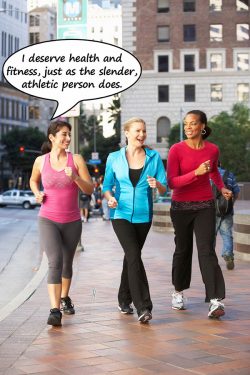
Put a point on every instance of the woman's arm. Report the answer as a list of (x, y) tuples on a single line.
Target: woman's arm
[(82, 179), (35, 179)]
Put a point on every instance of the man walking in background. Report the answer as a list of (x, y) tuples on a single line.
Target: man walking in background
[(224, 222)]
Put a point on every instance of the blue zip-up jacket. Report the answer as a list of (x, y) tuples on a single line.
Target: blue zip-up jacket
[(135, 204)]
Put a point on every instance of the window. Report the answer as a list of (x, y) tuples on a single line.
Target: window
[(189, 63), (189, 93), (242, 5), (163, 93), (188, 5), (242, 31), (189, 33), (243, 61), (216, 33), (32, 20), (243, 92), (4, 43), (163, 33), (163, 6), (163, 129), (34, 112), (215, 5), (216, 92), (34, 38), (163, 64), (216, 62)]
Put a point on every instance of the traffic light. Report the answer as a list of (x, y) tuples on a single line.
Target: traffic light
[(96, 170), (21, 150)]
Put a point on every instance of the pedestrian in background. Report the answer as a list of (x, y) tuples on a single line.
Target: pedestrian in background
[(133, 171), (84, 205), (62, 174), (224, 223), (190, 165)]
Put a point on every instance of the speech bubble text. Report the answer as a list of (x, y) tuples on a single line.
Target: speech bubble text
[(71, 70)]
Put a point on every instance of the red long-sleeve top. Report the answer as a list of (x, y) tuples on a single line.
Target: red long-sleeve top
[(182, 163)]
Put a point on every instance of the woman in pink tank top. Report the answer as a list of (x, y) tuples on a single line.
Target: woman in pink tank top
[(62, 174)]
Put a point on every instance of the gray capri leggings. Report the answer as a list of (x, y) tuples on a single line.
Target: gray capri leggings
[(59, 241)]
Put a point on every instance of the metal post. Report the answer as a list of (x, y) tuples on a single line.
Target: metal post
[(74, 148), (181, 124), (94, 126)]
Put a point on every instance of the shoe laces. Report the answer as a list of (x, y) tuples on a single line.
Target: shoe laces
[(178, 296), (67, 302), (217, 302)]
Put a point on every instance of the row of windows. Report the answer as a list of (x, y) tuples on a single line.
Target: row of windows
[(216, 93), (215, 33), (10, 44), (214, 5), (17, 13), (216, 62), (13, 109), (35, 37), (35, 20)]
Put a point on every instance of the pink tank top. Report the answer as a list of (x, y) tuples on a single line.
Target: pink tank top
[(61, 193)]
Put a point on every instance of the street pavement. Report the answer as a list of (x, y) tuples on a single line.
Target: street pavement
[(100, 340)]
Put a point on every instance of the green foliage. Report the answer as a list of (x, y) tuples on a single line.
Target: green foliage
[(30, 139), (174, 135), (231, 132)]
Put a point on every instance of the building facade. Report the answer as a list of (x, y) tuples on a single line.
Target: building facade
[(42, 27), (104, 25), (192, 57)]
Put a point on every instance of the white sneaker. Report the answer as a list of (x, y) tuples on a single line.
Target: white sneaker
[(216, 308), (178, 301)]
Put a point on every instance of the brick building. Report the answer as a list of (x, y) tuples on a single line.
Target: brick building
[(192, 58)]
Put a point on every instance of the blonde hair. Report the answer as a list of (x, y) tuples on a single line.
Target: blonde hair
[(131, 121)]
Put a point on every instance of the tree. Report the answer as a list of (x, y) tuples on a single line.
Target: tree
[(231, 132), (174, 135)]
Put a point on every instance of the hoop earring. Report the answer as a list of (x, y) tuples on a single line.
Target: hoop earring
[(203, 132)]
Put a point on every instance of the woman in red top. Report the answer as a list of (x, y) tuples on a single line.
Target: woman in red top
[(191, 164)]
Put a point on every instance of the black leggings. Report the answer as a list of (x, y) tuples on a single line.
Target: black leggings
[(134, 284), (59, 241), (201, 223)]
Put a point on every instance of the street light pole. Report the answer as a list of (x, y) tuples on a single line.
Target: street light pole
[(181, 124)]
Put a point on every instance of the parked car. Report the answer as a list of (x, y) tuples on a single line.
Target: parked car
[(24, 198)]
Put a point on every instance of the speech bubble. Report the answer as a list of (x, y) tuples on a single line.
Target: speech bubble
[(71, 70)]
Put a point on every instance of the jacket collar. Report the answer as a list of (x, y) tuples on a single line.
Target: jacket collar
[(149, 153)]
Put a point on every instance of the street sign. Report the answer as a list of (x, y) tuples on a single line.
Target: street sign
[(72, 19), (95, 161), (95, 155)]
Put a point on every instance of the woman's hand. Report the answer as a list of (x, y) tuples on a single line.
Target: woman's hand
[(227, 194), (112, 202), (69, 172), (203, 168), (153, 183), (40, 197)]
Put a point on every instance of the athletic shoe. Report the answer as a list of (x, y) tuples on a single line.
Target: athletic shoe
[(144, 316), (216, 308), (67, 306), (55, 317), (229, 262), (178, 301), (125, 309)]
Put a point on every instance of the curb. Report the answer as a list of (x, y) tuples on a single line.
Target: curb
[(27, 292)]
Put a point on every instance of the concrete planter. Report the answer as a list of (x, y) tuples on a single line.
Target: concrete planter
[(161, 219), (241, 234)]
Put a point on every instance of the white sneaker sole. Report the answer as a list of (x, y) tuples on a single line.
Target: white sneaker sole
[(216, 313), (144, 318), (179, 308), (124, 312)]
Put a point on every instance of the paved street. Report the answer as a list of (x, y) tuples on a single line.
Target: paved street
[(100, 340)]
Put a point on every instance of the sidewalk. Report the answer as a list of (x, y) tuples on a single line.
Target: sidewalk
[(99, 340)]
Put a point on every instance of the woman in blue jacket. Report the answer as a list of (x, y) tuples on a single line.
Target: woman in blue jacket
[(132, 173)]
